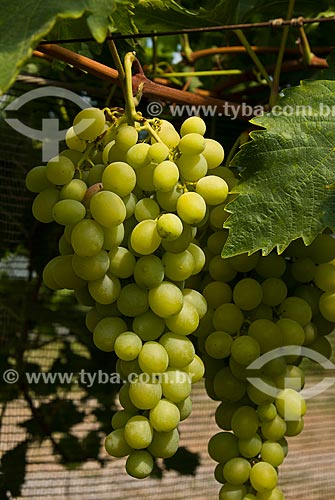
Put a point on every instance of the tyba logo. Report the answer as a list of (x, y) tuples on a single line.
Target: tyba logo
[(50, 135)]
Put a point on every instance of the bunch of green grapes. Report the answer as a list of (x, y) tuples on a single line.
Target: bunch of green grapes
[(131, 198), (269, 308)]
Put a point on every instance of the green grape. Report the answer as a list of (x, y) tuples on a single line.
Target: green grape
[(218, 216), (168, 134), (266, 412), (292, 332), (125, 400), (245, 349), (95, 174), (311, 333), (164, 444), (322, 346), (43, 204), (137, 155), (245, 422), (108, 309), (165, 176), (296, 309), (220, 269), (113, 236), (122, 262), (275, 429), (271, 266), (120, 418), (197, 300), (92, 318), (74, 156), (216, 241), (158, 152), (228, 317), (129, 368), (64, 275), (236, 471), (191, 144), (250, 447), (139, 464), (146, 208), (74, 190), (66, 212), (232, 492), (149, 271), (193, 124), (244, 263), (191, 207), (168, 201), (274, 291), (48, 274), (222, 447), (184, 322), (89, 123), (195, 369), (198, 256), (192, 168), (166, 299), (126, 137), (83, 296), (263, 476), (249, 496), (214, 190), (145, 392), (263, 311), (60, 170), (105, 290), (257, 395), (322, 249), (290, 404), (91, 268), (106, 332), (36, 180), (294, 427), (217, 293), (239, 371), (327, 305), (247, 294), (144, 238), (169, 227), (129, 202), (176, 385), (178, 266), (224, 413), (272, 453), (87, 238), (218, 344), (116, 445), (132, 300), (228, 387), (303, 270), (213, 153), (292, 378), (182, 242), (127, 346), (73, 141), (185, 408), (165, 416), (311, 294), (114, 154), (179, 348), (267, 333), (325, 277), (218, 474), (119, 177), (145, 177), (138, 432), (153, 358), (275, 494)]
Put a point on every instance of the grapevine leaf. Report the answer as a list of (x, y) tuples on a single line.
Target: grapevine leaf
[(287, 185), (23, 25), (13, 465)]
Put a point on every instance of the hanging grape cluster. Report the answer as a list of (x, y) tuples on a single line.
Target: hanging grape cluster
[(143, 209)]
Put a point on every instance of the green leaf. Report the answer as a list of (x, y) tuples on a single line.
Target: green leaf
[(22, 26), (13, 467), (287, 185)]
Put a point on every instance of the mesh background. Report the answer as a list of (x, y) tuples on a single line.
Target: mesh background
[(308, 472)]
